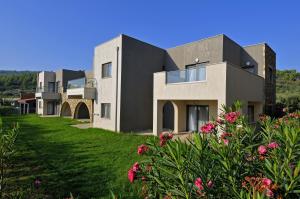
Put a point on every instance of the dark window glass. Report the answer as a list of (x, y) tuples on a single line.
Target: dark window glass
[(106, 70), (105, 110)]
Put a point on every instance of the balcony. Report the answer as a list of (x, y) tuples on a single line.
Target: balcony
[(222, 81), (48, 93), (193, 74), (82, 88)]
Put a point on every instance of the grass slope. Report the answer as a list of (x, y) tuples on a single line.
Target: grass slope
[(86, 162)]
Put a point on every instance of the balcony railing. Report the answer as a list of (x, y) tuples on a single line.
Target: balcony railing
[(54, 89), (193, 74), (82, 83)]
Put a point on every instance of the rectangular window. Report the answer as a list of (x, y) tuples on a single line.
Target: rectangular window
[(106, 70), (105, 110), (250, 113), (195, 72)]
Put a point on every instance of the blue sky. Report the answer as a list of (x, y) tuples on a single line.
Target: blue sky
[(53, 34)]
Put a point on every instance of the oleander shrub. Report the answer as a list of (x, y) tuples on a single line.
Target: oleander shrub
[(7, 149), (227, 158)]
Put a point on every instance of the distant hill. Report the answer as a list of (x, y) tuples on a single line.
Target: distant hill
[(12, 82), (287, 84), (15, 72), (288, 90)]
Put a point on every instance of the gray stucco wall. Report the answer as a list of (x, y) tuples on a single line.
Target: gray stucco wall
[(231, 51), (206, 50), (139, 61)]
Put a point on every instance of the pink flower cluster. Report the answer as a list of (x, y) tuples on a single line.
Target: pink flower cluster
[(231, 117), (262, 150), (142, 149), (260, 184), (199, 184), (294, 115), (132, 172), (164, 137), (208, 128)]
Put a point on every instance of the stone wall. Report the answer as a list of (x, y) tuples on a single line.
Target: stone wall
[(74, 103)]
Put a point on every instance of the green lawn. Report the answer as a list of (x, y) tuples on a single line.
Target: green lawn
[(87, 162)]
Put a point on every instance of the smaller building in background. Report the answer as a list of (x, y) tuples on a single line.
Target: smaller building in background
[(66, 93), (27, 103)]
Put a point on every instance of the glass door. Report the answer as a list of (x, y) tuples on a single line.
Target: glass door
[(198, 115), (192, 118), (50, 108)]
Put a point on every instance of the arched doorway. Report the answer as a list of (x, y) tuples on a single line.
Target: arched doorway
[(168, 116), (65, 110), (81, 111)]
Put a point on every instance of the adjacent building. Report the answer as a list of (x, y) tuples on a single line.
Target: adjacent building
[(136, 86)]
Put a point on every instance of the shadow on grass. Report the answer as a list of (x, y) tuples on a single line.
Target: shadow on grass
[(59, 163)]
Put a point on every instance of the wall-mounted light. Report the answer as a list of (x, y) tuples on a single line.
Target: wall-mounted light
[(196, 60)]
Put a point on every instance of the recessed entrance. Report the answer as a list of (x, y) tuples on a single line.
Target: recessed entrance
[(81, 111), (66, 110), (168, 116)]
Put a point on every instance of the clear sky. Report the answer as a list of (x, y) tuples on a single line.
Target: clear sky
[(53, 34)]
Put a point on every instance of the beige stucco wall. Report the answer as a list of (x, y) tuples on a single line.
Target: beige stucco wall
[(212, 88), (106, 87), (243, 85)]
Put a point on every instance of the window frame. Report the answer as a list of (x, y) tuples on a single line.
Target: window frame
[(103, 113), (104, 73)]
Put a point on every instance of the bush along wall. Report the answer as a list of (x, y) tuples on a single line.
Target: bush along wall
[(227, 158)]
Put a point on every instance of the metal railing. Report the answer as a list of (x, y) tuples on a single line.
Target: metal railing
[(197, 73), (54, 89), (82, 83)]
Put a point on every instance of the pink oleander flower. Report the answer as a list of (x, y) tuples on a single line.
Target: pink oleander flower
[(164, 137), (273, 145), (136, 167), (198, 183), (232, 117), (208, 128), (142, 149), (262, 150), (210, 184), (269, 193), (131, 175), (225, 141), (266, 182)]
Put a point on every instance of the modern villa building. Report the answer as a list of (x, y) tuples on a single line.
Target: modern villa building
[(135, 86)]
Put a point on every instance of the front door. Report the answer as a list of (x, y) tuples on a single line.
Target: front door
[(50, 108), (197, 116)]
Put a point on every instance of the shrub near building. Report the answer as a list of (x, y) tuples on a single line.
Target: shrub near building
[(238, 163)]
